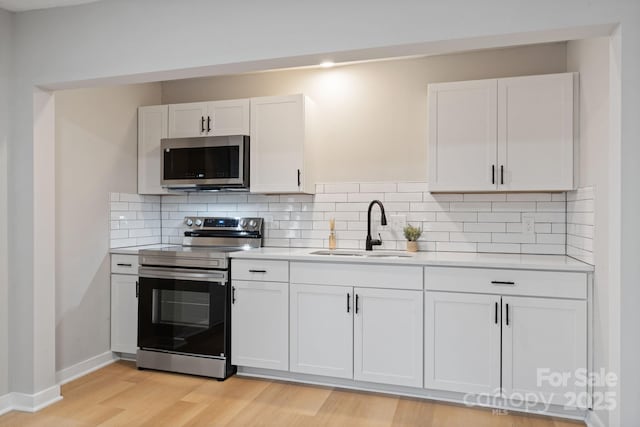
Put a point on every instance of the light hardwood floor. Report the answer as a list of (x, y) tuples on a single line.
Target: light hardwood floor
[(120, 395)]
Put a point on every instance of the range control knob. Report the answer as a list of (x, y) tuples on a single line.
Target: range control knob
[(188, 221), (198, 222), (253, 223), (243, 223)]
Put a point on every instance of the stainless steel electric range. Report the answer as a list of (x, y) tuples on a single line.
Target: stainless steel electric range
[(184, 303)]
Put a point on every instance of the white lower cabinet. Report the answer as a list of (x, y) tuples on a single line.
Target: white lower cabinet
[(477, 343), (364, 334), (124, 313), (321, 328), (260, 324), (462, 342), (543, 339), (388, 336)]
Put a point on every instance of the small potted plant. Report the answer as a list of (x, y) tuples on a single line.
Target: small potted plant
[(412, 234)]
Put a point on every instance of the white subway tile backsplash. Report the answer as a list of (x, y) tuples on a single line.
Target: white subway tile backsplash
[(135, 220), (456, 247), (499, 217), (485, 197), (485, 227), (457, 216), (489, 222), (123, 215), (365, 197), (529, 197), (403, 197), (514, 206), (470, 237), (342, 188), (581, 223), (543, 249), (409, 187), (378, 187), (470, 206), (513, 238), (432, 206), (330, 197), (551, 206), (507, 248), (436, 197)]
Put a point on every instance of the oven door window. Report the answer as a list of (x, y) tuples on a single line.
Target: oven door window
[(182, 316), (203, 163)]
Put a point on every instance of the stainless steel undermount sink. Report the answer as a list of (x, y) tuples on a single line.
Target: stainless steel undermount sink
[(365, 254)]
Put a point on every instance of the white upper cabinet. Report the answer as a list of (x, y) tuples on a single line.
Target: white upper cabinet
[(215, 118), (462, 136), (388, 336), (152, 126), (512, 134), (281, 145), (535, 132)]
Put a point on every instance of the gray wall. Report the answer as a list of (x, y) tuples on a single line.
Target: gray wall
[(372, 116), (134, 37), (591, 59), (6, 27), (96, 153)]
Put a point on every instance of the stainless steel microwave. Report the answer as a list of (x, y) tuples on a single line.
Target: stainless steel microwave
[(205, 163)]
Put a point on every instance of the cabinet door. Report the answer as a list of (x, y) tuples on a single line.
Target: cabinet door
[(542, 337), (124, 313), (188, 120), (388, 336), (535, 132), (462, 342), (462, 136), (228, 117), (277, 144), (321, 330), (152, 126), (260, 325)]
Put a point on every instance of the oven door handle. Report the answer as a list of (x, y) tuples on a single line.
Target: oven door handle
[(183, 274)]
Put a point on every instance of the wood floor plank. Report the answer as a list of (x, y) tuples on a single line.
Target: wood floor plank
[(120, 395)]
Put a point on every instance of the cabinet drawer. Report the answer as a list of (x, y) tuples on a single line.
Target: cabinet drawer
[(259, 269), (124, 264), (362, 275), (556, 284)]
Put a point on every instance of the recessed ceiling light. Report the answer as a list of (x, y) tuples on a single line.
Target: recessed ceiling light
[(327, 64)]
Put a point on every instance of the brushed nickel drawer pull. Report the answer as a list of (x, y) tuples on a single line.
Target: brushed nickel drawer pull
[(257, 271), (499, 282), (120, 264)]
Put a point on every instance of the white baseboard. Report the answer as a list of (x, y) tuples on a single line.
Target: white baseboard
[(34, 402), (6, 403), (87, 366), (593, 420), (420, 393)]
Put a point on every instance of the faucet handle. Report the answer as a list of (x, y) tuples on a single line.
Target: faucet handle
[(380, 238)]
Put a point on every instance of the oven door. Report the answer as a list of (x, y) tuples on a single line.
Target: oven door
[(209, 161), (183, 311)]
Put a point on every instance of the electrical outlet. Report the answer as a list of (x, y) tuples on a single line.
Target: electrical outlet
[(397, 222), (528, 223)]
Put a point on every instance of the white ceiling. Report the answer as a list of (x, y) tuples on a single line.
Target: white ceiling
[(22, 5)]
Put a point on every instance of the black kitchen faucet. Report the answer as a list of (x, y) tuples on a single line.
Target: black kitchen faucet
[(383, 221)]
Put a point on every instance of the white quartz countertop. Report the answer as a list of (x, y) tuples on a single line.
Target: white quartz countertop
[(133, 250), (450, 259)]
